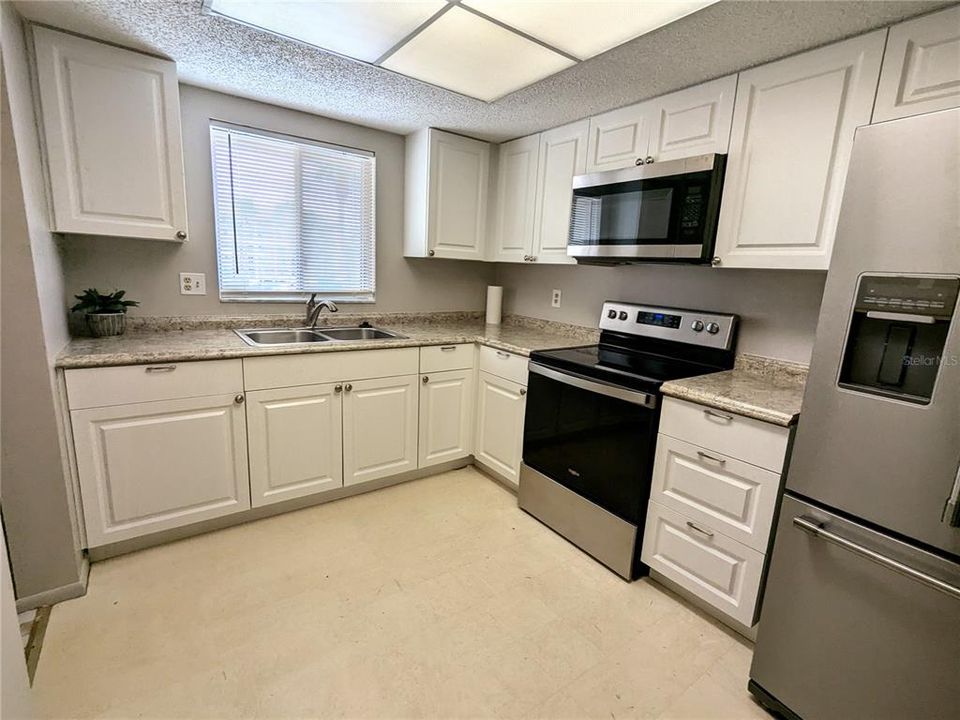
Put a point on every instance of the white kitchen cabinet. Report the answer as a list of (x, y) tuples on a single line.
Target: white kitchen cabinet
[(379, 428), (516, 199), (111, 130), (563, 154), (921, 67), (445, 191), (151, 466), (793, 128), (295, 442), (693, 121), (501, 405), (446, 416)]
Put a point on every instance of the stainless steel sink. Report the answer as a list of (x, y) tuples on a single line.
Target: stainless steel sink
[(357, 333), (269, 337), (281, 336)]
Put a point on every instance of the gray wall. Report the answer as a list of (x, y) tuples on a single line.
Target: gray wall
[(149, 269), (37, 497), (778, 308)]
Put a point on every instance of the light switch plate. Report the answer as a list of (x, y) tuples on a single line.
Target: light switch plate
[(193, 284), (555, 299)]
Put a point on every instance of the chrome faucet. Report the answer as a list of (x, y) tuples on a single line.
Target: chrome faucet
[(314, 308)]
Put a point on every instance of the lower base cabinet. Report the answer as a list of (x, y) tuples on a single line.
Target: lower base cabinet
[(151, 466), (446, 416), (379, 428), (501, 405), (295, 442)]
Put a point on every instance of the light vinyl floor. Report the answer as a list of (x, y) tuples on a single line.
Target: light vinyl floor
[(437, 598)]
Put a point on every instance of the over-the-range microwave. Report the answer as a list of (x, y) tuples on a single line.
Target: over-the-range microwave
[(655, 212)]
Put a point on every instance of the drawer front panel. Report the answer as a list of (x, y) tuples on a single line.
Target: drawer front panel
[(735, 497), (263, 373), (438, 358), (101, 387), (503, 364), (717, 569), (735, 436)]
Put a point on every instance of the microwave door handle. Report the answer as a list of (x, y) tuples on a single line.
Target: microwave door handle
[(590, 385)]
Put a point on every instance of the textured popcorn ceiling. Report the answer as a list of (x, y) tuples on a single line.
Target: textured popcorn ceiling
[(221, 55)]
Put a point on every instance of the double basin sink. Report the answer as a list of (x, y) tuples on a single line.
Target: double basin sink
[(267, 337)]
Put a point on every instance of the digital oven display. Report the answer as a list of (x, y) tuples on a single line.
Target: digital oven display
[(658, 319)]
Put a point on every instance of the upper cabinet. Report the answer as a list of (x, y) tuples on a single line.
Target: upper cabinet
[(793, 128), (694, 121), (516, 199), (563, 154), (921, 67), (445, 196), (111, 130)]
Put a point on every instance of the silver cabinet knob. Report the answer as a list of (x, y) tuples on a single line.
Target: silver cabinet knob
[(716, 261), (348, 387), (338, 388), (648, 160), (425, 379), (431, 253), (238, 398), (639, 161), (181, 235), (523, 391)]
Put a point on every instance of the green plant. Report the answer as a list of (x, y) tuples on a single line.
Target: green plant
[(93, 302)]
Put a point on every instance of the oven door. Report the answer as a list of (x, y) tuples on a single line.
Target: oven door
[(596, 439)]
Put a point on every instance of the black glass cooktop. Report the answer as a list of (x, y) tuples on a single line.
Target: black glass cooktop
[(626, 367)]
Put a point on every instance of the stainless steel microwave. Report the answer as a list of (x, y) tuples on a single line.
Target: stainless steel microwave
[(658, 212)]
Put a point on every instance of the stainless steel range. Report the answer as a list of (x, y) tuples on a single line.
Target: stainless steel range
[(590, 433)]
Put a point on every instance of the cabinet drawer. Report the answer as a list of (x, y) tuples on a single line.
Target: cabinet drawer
[(503, 364), (101, 387), (735, 436), (715, 568), (438, 358), (262, 373), (735, 497)]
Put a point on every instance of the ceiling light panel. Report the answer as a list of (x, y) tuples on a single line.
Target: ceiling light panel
[(463, 52), (362, 30), (585, 28)]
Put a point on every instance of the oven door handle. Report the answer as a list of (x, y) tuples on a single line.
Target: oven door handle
[(636, 397)]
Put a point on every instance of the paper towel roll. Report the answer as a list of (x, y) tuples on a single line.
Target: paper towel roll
[(494, 304)]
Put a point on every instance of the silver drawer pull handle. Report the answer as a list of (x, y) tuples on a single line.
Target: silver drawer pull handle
[(817, 530), (705, 456), (448, 348), (503, 354), (693, 526), (719, 416), (161, 368)]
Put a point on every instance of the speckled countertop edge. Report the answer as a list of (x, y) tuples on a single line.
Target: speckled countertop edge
[(758, 387)]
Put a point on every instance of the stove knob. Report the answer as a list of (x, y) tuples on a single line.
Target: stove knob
[(612, 314), (697, 325), (713, 328), (623, 315)]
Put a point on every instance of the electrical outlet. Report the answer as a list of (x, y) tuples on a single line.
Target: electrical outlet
[(193, 284), (555, 300)]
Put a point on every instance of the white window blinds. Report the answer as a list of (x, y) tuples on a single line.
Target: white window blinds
[(293, 217)]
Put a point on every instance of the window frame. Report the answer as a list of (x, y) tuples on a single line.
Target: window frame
[(278, 296)]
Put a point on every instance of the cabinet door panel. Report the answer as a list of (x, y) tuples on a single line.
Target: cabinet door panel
[(295, 442), (379, 428), (694, 121), (563, 154), (500, 412), (458, 196), (153, 466), (620, 137), (921, 67), (793, 129), (446, 416), (111, 123), (516, 199)]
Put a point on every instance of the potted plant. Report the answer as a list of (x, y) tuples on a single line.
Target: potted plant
[(106, 314)]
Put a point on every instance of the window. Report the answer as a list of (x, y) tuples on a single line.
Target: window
[(293, 217)]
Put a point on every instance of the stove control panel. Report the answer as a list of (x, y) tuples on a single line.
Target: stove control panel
[(696, 327)]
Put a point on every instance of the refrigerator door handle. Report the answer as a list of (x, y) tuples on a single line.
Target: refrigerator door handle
[(817, 530)]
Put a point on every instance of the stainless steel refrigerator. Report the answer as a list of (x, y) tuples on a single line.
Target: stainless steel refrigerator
[(861, 612)]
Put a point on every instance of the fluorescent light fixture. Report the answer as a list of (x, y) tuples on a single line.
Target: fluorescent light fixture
[(361, 30)]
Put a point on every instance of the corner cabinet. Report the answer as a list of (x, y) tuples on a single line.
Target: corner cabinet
[(518, 161), (445, 196), (793, 127), (501, 409), (446, 416), (111, 130), (921, 67), (563, 155)]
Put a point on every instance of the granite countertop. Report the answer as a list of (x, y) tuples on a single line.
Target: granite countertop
[(757, 387), (155, 340)]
